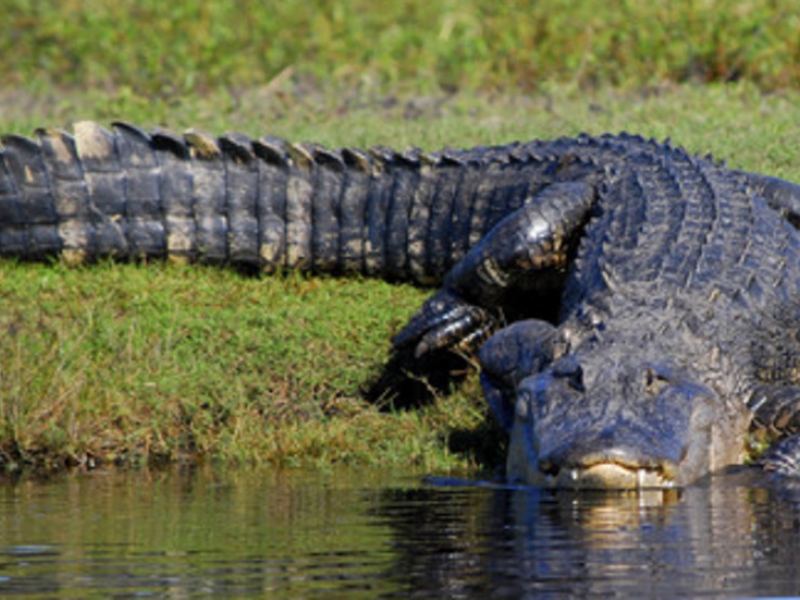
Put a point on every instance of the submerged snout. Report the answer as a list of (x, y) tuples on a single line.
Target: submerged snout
[(615, 467), (620, 457), (608, 476)]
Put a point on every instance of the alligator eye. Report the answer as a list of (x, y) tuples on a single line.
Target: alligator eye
[(570, 370)]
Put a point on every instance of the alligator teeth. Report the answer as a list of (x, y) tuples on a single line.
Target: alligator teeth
[(653, 479), (642, 476), (609, 475)]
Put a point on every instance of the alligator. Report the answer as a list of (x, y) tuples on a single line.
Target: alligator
[(633, 307)]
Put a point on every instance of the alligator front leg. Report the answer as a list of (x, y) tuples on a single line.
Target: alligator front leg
[(776, 412), (527, 251)]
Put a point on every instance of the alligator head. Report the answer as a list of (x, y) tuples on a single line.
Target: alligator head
[(607, 414)]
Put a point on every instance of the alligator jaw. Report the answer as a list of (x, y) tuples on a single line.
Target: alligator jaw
[(614, 469), (609, 476), (610, 469)]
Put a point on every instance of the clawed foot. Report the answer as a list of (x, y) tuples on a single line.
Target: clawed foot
[(445, 321)]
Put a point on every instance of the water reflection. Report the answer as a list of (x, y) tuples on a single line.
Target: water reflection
[(365, 534), (723, 540), (187, 534)]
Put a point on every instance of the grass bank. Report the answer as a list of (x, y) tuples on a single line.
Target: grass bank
[(134, 364), (147, 363)]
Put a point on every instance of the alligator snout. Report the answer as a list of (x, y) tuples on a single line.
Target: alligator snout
[(619, 459), (617, 451), (608, 476), (615, 469)]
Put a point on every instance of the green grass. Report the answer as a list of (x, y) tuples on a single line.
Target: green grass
[(172, 48), (135, 364)]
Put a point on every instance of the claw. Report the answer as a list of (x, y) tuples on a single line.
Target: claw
[(444, 321), (459, 328)]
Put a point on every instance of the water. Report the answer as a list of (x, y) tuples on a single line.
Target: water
[(360, 534)]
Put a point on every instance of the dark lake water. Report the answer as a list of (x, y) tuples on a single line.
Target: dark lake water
[(361, 534)]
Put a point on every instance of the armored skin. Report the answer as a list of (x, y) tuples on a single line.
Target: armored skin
[(655, 292)]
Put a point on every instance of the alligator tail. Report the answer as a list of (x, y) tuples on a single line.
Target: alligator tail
[(263, 204)]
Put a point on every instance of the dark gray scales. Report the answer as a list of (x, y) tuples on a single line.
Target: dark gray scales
[(673, 278)]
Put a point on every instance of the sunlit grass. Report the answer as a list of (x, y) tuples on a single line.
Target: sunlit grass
[(168, 49)]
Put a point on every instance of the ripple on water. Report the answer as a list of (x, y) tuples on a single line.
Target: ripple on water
[(260, 533)]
